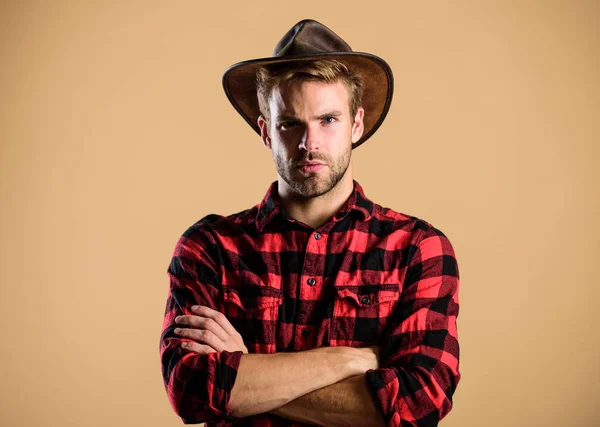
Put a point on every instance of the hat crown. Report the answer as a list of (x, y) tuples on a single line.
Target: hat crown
[(309, 37)]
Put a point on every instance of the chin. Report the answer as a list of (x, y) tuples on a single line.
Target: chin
[(313, 186)]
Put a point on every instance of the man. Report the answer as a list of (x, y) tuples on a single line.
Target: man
[(316, 306)]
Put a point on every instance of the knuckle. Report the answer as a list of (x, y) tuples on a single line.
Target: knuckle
[(203, 349), (195, 335), (205, 336), (210, 323), (195, 347), (205, 310)]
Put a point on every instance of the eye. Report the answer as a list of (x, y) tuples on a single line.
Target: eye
[(329, 120), (287, 125)]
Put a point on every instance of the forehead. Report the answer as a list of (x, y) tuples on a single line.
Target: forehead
[(309, 95)]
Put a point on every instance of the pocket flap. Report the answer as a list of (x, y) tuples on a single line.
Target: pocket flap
[(368, 295), (252, 298)]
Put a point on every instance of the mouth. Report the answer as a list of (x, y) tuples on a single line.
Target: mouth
[(310, 167)]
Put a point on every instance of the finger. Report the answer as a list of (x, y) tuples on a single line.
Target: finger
[(197, 348), (200, 322), (217, 316), (202, 336)]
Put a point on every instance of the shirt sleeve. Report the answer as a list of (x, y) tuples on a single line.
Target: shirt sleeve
[(420, 358), (198, 386)]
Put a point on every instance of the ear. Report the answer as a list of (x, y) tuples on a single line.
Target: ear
[(358, 126), (263, 124)]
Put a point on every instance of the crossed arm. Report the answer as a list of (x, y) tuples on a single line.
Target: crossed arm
[(215, 379), (324, 386)]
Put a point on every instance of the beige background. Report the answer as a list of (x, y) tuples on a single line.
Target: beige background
[(116, 136)]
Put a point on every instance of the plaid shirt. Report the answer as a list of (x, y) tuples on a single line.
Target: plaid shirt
[(368, 276)]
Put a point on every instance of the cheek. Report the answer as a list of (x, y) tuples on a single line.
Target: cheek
[(287, 140), (280, 154), (337, 138), (340, 131), (283, 148)]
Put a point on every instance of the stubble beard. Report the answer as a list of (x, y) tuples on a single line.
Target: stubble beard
[(312, 185)]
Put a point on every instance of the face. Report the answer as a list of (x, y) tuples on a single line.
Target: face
[(310, 133)]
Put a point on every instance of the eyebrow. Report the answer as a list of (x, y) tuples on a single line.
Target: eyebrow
[(334, 113)]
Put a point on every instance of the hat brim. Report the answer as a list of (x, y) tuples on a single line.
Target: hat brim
[(239, 83)]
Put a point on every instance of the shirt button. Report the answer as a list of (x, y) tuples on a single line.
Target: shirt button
[(365, 300), (311, 281), (317, 236), (305, 332)]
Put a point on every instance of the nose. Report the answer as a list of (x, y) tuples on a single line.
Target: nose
[(311, 139)]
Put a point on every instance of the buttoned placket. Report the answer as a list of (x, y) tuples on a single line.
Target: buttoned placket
[(311, 279)]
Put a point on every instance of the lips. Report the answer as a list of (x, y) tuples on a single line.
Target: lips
[(309, 163), (310, 167)]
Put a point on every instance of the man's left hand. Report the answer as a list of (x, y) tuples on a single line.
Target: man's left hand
[(210, 331)]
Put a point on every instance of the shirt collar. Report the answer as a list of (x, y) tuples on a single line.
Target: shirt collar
[(270, 206)]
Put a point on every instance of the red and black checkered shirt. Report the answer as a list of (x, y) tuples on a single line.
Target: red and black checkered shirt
[(368, 276)]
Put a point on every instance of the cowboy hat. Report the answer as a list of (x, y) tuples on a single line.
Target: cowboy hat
[(310, 40)]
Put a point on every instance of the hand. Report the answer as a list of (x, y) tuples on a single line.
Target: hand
[(210, 331)]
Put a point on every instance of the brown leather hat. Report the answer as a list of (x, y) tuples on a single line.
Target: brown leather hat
[(308, 40)]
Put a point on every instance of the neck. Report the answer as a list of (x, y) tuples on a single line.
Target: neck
[(315, 211)]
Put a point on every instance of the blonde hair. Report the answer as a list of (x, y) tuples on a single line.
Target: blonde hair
[(326, 70)]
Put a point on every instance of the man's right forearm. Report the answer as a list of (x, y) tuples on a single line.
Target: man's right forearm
[(268, 381)]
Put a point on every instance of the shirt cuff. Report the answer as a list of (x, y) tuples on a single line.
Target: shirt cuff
[(381, 382), (221, 375)]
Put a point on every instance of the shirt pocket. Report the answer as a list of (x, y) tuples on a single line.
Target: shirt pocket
[(254, 311), (360, 313)]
